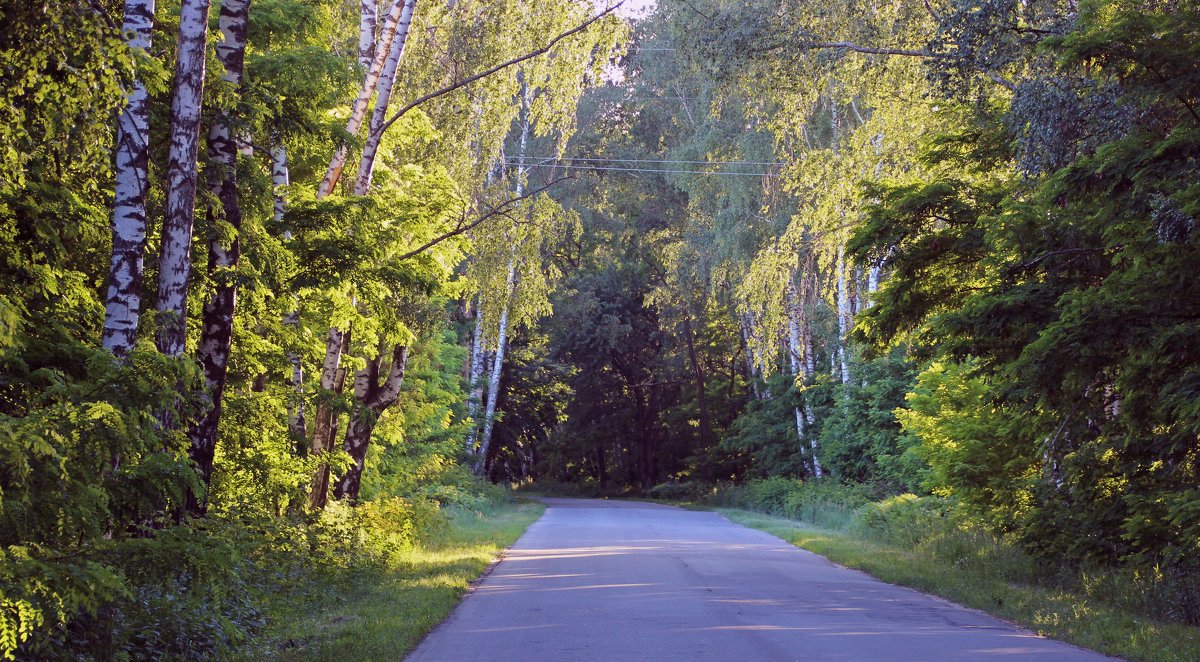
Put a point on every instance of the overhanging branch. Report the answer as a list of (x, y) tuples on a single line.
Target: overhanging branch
[(463, 227), (499, 67)]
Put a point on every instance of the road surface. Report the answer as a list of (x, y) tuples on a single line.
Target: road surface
[(612, 580)]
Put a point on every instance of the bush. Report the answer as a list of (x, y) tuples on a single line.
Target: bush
[(186, 598), (905, 520), (821, 502)]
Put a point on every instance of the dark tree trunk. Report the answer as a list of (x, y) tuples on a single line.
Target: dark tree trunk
[(701, 389), (333, 379), (372, 398), (217, 329)]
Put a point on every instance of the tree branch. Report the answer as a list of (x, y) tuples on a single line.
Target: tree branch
[(906, 52), (870, 50), (499, 67), (461, 228)]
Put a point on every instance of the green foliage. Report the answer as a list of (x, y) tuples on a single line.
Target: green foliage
[(63, 69), (963, 439), (416, 447), (763, 439), (860, 439)]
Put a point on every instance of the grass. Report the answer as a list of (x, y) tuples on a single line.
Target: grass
[(381, 613), (999, 581)]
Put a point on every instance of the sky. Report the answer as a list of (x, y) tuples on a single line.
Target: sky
[(631, 8)]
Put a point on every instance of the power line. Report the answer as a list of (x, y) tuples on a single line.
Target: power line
[(615, 160), (643, 170)]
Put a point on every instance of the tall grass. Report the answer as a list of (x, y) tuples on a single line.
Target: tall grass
[(380, 606), (1134, 612)]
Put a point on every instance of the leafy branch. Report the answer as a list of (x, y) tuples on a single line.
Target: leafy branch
[(464, 226)]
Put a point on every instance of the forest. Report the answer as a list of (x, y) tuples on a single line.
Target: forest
[(288, 283)]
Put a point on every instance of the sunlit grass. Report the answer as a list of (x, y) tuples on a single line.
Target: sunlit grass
[(383, 612), (978, 579)]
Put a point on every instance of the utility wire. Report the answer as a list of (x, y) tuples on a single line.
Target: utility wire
[(646, 170), (594, 160)]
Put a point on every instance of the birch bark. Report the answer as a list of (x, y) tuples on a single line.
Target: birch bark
[(371, 400), (476, 380), (280, 180), (326, 416), (381, 76), (123, 302), (493, 394), (387, 81), (217, 328), (843, 313), (368, 21), (175, 258), (810, 363), (359, 110), (801, 357), (794, 357)]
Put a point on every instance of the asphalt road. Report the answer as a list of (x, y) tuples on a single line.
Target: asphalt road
[(610, 580)]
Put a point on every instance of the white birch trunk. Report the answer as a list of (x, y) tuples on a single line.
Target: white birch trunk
[(510, 282), (280, 180), (358, 431), (297, 421), (493, 395), (387, 80), (323, 429), (796, 366), (843, 313), (359, 110), (175, 257), (810, 364), (476, 377), (123, 303), (326, 418), (371, 400), (800, 355), (368, 21), (216, 337)]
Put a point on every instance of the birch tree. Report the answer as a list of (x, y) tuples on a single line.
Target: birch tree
[(332, 372), (175, 259), (223, 252), (123, 304), (510, 283)]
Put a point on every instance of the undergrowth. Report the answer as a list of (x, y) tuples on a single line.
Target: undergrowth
[(365, 581)]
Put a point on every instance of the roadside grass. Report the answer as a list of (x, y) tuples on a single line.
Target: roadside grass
[(1001, 581), (382, 612)]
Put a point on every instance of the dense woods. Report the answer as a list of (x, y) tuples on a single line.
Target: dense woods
[(277, 275)]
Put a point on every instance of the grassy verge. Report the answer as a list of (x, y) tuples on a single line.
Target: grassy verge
[(381, 612), (975, 580)]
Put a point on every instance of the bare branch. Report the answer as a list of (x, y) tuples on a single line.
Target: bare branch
[(461, 227), (870, 50)]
